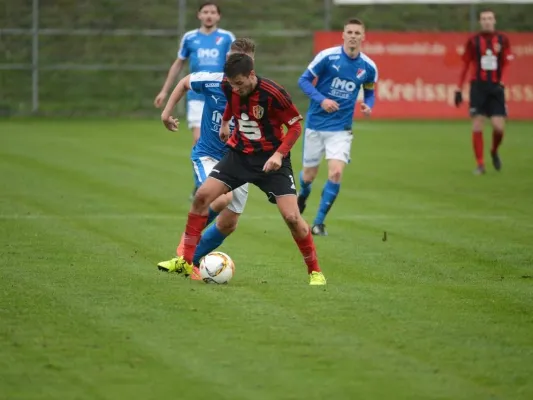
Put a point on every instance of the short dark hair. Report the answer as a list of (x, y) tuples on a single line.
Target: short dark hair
[(238, 64), (354, 21), (243, 45), (486, 10), (209, 3)]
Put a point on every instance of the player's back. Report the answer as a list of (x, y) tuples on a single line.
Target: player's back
[(209, 85), (339, 78)]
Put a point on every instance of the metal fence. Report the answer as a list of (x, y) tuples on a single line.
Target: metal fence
[(51, 67), (86, 57)]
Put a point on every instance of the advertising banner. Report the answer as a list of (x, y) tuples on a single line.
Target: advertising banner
[(419, 72)]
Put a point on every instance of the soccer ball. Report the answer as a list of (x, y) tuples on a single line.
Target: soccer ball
[(217, 267)]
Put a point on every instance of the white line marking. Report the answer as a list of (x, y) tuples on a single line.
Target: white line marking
[(351, 217)]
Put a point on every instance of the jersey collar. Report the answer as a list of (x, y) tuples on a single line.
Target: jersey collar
[(348, 57)]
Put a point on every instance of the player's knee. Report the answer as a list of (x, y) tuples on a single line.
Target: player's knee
[(309, 174), (201, 199), (498, 124), (292, 218), (335, 175), (227, 225), (477, 124)]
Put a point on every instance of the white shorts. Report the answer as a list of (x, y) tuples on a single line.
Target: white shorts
[(203, 167), (194, 113), (336, 146)]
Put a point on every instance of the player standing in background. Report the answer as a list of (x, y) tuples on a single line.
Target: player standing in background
[(208, 151), (488, 52), (206, 49), (259, 154), (341, 71)]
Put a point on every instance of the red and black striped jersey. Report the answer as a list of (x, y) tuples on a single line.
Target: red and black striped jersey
[(489, 52), (259, 116)]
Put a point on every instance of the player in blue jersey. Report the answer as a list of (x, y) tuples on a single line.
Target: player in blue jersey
[(208, 151), (206, 49), (340, 72)]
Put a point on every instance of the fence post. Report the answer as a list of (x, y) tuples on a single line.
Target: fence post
[(327, 15), (473, 17), (182, 26), (35, 57)]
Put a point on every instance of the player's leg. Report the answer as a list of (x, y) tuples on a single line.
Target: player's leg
[(313, 151), (194, 120), (224, 225), (196, 221), (229, 173), (280, 189), (477, 111), (202, 167), (338, 147), (497, 111)]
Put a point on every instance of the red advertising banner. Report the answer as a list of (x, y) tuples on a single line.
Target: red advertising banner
[(419, 72)]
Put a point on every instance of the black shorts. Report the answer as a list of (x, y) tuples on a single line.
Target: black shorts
[(487, 99), (236, 168)]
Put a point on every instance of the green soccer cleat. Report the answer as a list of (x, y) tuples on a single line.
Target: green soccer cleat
[(317, 279), (177, 264)]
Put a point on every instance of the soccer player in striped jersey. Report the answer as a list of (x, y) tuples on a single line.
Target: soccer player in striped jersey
[(206, 49), (207, 152), (486, 55), (340, 72), (259, 153)]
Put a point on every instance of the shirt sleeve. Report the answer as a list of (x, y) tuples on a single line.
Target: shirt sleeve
[(197, 83), (287, 112), (318, 65), (184, 51), (371, 78)]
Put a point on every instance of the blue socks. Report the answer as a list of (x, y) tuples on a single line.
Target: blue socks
[(329, 194), (211, 239), (305, 187)]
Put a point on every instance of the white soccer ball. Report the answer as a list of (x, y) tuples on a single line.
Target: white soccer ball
[(217, 267)]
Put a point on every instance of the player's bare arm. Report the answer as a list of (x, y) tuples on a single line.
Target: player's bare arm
[(178, 93), (225, 131), (173, 73), (292, 118)]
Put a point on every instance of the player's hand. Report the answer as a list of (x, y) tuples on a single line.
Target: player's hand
[(329, 105), (366, 110), (170, 122), (225, 132), (160, 99), (273, 163), (458, 98)]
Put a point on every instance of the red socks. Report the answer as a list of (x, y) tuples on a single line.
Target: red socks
[(497, 137), (477, 143), (308, 250), (193, 232)]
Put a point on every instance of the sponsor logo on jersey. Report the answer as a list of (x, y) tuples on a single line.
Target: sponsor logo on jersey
[(208, 53)]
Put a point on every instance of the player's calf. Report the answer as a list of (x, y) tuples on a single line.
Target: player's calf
[(300, 231), (307, 176)]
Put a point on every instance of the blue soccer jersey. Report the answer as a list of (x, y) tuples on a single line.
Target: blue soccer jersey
[(205, 52), (209, 85), (339, 78)]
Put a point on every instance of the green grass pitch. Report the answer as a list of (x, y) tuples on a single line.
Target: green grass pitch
[(441, 310)]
